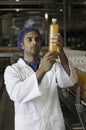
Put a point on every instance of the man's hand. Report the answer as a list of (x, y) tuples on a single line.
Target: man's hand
[(60, 43), (48, 60), (63, 58)]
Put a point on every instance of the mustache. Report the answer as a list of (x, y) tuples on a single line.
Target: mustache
[(34, 46)]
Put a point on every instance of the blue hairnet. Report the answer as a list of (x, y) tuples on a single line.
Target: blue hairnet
[(22, 34)]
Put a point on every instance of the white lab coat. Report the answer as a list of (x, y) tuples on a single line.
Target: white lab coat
[(37, 106)]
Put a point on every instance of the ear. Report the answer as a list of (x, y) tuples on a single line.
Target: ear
[(22, 46)]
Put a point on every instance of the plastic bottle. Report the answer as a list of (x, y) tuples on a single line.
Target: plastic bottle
[(53, 29)]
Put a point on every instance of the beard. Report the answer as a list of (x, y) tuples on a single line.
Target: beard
[(34, 51), (33, 54)]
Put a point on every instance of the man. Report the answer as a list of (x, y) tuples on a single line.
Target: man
[(32, 83)]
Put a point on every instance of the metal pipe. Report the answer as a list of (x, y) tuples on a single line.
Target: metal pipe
[(64, 17)]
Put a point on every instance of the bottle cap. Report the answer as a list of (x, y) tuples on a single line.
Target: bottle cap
[(54, 20)]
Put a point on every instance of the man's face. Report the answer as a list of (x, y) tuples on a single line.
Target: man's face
[(31, 44)]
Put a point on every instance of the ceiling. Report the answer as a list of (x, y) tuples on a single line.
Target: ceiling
[(73, 10), (39, 6), (52, 7)]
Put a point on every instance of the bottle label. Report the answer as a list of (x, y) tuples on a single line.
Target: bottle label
[(54, 28)]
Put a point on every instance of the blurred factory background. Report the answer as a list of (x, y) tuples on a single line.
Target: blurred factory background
[(15, 14), (71, 16)]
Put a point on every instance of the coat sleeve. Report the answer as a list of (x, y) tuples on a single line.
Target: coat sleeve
[(18, 90), (63, 79)]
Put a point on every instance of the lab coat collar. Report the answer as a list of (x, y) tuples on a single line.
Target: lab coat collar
[(22, 63)]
